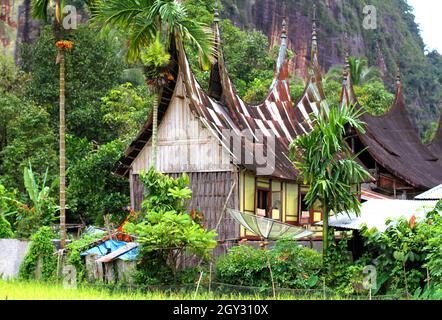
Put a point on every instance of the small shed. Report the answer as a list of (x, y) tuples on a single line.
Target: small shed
[(111, 261)]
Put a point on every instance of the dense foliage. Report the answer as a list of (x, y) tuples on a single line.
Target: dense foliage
[(408, 255), (325, 161), (93, 191), (93, 67), (292, 266), (166, 231), (40, 261)]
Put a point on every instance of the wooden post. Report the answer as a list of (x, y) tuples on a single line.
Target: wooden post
[(325, 231), (198, 285), (38, 268)]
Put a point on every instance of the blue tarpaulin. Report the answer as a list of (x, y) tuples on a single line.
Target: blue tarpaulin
[(110, 246)]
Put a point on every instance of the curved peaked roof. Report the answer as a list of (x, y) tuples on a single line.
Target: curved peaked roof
[(226, 115), (436, 145), (394, 143)]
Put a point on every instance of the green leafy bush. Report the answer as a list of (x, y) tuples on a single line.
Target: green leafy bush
[(42, 210), (292, 266), (408, 254), (5, 229), (41, 249), (341, 273), (166, 231), (74, 250), (93, 191), (8, 209)]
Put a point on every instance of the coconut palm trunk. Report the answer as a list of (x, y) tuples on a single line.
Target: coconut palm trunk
[(155, 129), (62, 150)]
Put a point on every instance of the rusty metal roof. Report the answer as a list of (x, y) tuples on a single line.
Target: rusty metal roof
[(221, 110)]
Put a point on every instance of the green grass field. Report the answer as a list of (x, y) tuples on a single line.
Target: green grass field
[(19, 290)]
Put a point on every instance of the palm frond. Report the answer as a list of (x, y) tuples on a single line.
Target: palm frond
[(39, 9)]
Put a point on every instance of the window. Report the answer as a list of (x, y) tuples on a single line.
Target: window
[(276, 200), (304, 217), (262, 204)]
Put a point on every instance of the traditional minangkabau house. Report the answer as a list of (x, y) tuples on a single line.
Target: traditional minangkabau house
[(401, 164), (198, 133), (236, 154)]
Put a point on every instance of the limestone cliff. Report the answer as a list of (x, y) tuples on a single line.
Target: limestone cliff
[(395, 39)]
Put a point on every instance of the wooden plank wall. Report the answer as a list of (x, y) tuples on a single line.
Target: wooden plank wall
[(184, 144), (210, 192), (136, 192)]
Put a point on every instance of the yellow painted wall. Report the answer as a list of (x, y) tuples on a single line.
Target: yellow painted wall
[(291, 202)]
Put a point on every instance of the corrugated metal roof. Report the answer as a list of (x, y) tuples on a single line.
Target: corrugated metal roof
[(129, 252), (371, 195), (433, 194), (374, 213)]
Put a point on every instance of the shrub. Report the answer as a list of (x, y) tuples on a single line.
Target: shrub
[(166, 231), (42, 211), (292, 266), (41, 249), (7, 208), (407, 252), (5, 229)]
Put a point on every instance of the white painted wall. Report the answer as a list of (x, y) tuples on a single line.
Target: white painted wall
[(12, 253)]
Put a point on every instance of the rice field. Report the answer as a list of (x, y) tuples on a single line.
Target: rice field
[(18, 290), (32, 290)]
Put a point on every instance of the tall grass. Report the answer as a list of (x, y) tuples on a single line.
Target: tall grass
[(32, 290)]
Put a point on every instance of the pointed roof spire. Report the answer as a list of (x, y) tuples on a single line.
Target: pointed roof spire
[(283, 46), (346, 65), (314, 36), (216, 18), (284, 29), (398, 76), (398, 81)]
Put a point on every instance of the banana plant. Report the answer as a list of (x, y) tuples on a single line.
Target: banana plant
[(37, 194)]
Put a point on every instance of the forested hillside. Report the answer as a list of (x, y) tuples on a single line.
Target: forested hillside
[(340, 26)]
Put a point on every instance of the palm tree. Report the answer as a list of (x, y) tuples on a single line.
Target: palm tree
[(325, 160), (361, 73), (40, 10), (150, 25)]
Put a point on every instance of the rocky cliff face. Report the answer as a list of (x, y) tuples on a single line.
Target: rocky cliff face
[(395, 39), (340, 26)]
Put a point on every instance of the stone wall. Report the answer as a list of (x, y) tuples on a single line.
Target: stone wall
[(12, 253)]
